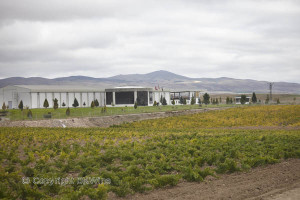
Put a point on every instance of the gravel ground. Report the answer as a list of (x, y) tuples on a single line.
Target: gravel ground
[(104, 121)]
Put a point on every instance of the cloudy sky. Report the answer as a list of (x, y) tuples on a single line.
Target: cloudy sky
[(198, 38)]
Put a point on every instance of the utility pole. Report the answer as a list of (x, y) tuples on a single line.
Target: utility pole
[(270, 87)]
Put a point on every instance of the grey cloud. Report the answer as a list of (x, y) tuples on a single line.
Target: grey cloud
[(239, 39)]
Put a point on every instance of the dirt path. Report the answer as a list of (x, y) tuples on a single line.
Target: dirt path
[(279, 181), (104, 121)]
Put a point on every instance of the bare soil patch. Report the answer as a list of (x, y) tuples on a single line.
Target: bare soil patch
[(104, 121), (278, 181)]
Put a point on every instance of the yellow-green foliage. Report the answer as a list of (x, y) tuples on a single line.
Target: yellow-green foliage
[(285, 115), (148, 155)]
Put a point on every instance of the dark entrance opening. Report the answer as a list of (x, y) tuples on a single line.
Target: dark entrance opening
[(109, 98), (124, 97), (142, 98)]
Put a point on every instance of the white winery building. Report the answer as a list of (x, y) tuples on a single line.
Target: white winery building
[(33, 96)]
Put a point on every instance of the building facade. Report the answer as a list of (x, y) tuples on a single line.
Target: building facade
[(34, 96), (187, 94), (238, 100)]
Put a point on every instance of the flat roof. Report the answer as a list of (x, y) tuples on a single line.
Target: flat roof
[(240, 97), (128, 89), (177, 91), (60, 88)]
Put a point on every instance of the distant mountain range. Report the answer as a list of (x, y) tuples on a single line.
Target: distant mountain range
[(164, 79)]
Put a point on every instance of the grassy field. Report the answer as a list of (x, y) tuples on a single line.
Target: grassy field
[(60, 113), (283, 98), (145, 155)]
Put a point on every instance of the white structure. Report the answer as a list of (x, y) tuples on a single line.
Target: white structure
[(188, 95), (238, 100), (33, 96)]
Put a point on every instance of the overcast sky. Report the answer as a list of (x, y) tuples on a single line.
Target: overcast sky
[(240, 39)]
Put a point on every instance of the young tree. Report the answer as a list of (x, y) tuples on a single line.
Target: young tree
[(103, 110), (3, 106), (75, 104), (29, 114), (84, 104), (63, 104), (193, 101), (227, 100), (55, 103), (161, 99), (199, 102), (253, 98), (184, 101), (68, 112), (181, 100), (92, 104), (217, 101), (212, 101), (173, 102), (164, 103), (243, 99), (46, 104), (154, 104), (267, 100), (96, 103), (21, 105), (135, 105), (206, 98), (278, 102)]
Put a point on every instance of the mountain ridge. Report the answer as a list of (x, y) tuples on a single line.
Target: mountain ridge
[(164, 79)]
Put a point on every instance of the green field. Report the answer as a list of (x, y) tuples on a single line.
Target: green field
[(146, 155), (60, 113)]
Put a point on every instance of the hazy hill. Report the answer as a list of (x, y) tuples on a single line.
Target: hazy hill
[(157, 75), (163, 79)]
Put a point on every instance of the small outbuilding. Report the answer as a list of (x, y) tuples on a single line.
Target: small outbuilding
[(187, 95), (238, 100), (34, 96)]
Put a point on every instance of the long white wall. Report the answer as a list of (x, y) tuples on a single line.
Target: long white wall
[(157, 95), (36, 99)]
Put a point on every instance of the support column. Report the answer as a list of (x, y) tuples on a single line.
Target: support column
[(52, 99), (114, 98), (74, 96), (88, 99), (31, 100), (80, 99), (135, 96), (60, 99), (148, 98), (67, 97), (100, 100), (38, 100)]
